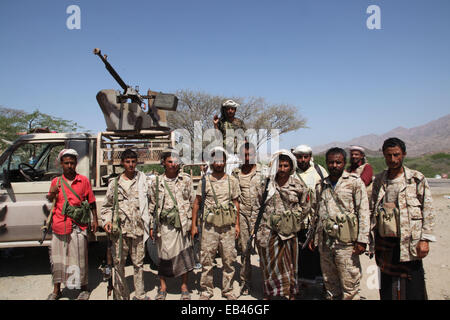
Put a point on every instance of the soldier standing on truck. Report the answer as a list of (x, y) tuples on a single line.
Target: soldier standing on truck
[(171, 200), (342, 231), (221, 225), (69, 246), (125, 218), (236, 127)]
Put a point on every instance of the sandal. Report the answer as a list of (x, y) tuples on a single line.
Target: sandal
[(230, 296), (84, 295), (185, 295), (161, 295), (54, 296), (205, 296), (144, 298)]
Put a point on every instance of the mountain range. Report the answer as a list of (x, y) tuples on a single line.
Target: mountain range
[(432, 137)]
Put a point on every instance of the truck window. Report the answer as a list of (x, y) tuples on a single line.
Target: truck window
[(35, 162)]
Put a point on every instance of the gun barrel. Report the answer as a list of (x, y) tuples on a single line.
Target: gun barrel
[(111, 70)]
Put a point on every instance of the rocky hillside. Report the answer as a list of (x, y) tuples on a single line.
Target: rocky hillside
[(429, 138)]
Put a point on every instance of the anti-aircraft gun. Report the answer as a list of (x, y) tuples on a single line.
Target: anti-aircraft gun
[(131, 123), (121, 115)]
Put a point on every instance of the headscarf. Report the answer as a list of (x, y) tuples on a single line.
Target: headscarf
[(358, 148), (273, 169), (302, 149), (65, 152)]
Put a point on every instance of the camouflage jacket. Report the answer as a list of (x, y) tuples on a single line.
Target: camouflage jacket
[(351, 194), (248, 198), (133, 212), (183, 191), (292, 196), (237, 124), (224, 195), (416, 212)]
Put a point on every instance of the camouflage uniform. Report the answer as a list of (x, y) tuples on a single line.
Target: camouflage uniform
[(174, 246), (132, 224), (279, 253), (340, 268), (416, 212), (397, 256), (217, 238), (248, 209)]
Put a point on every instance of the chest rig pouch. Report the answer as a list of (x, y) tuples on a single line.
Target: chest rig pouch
[(170, 216), (344, 226), (287, 222), (80, 214), (388, 217), (222, 215)]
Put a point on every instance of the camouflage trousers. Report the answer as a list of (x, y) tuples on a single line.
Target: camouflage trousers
[(223, 240), (134, 247), (341, 271), (246, 269)]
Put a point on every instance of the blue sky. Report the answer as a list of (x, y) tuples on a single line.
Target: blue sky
[(319, 55)]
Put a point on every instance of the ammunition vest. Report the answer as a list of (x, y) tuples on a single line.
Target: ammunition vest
[(80, 214), (221, 215), (170, 216), (286, 223), (342, 227)]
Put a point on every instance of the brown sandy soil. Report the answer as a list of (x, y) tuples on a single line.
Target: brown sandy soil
[(25, 272)]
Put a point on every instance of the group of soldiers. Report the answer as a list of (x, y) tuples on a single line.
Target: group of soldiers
[(308, 224)]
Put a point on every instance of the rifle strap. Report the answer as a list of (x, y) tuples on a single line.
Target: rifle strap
[(171, 194), (214, 192), (262, 208), (203, 199), (116, 214), (316, 166)]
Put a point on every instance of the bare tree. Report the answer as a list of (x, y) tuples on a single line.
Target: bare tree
[(254, 111)]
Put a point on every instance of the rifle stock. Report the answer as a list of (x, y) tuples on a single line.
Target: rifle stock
[(110, 267), (45, 229)]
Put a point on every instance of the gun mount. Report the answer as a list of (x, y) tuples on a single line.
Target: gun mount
[(127, 111)]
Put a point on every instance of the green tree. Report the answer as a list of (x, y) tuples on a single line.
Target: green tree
[(14, 122)]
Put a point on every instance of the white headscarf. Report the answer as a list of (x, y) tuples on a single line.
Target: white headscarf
[(65, 152), (302, 149), (230, 103), (273, 169)]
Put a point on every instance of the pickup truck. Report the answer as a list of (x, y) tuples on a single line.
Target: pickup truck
[(28, 166)]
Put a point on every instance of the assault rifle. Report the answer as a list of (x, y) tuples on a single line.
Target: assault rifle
[(198, 236), (46, 228), (258, 218)]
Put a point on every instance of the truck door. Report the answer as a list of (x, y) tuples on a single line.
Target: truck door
[(26, 175)]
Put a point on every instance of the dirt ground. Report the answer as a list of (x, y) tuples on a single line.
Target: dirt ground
[(25, 272)]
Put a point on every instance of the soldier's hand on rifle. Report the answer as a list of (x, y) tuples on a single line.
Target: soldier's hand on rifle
[(422, 249), (108, 227), (53, 192), (194, 231), (94, 226), (216, 121), (359, 248), (238, 230)]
